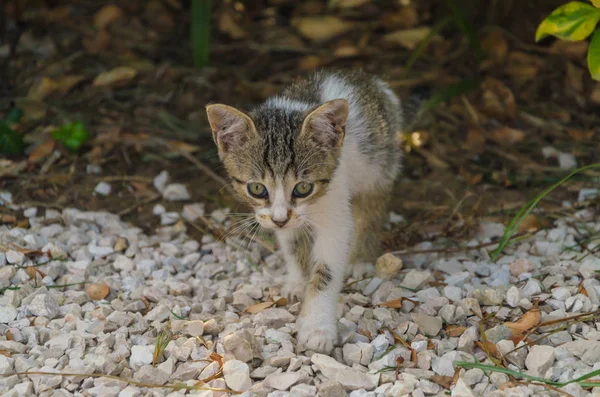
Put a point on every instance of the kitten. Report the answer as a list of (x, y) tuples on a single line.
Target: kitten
[(317, 163)]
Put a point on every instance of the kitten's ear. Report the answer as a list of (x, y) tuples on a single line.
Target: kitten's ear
[(230, 127), (326, 125)]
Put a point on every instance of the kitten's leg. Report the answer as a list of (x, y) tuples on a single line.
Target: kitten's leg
[(317, 324), (296, 250), (369, 210)]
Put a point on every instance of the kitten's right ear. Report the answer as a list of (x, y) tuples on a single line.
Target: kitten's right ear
[(230, 127)]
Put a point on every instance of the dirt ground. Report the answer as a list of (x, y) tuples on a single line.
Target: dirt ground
[(532, 116)]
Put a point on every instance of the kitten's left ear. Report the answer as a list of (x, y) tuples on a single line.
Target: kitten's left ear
[(231, 128), (326, 125)]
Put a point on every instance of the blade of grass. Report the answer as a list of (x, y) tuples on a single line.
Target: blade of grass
[(516, 374), (200, 30), (425, 42), (461, 22), (526, 210)]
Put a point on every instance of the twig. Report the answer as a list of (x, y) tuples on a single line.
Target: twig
[(131, 208), (178, 386)]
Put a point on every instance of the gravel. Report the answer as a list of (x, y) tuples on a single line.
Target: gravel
[(401, 338)]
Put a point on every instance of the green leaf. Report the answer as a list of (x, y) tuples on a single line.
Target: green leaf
[(72, 135), (11, 142), (13, 115), (200, 31), (593, 55), (573, 21)]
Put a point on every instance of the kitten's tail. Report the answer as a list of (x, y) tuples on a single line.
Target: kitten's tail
[(412, 107)]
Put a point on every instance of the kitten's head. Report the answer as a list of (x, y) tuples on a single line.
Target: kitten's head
[(280, 161)]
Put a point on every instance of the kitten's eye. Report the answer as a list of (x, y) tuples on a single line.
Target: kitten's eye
[(302, 189), (257, 190)]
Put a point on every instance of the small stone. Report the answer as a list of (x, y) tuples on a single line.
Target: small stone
[(241, 345), (539, 359), (103, 188), (274, 317), (191, 212), (521, 266), (488, 297), (462, 389), (30, 212), (176, 192), (473, 376), (532, 288), (7, 313), (561, 293), (158, 209), (237, 375), (282, 380), (303, 390), (388, 266), (359, 353), (442, 366), (193, 328), (44, 306), (429, 325), (453, 293), (141, 355), (14, 257), (149, 374), (350, 378), (498, 333), (169, 218), (513, 296), (160, 181), (415, 279)]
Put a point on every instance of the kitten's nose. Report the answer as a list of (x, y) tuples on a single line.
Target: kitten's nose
[(280, 223)]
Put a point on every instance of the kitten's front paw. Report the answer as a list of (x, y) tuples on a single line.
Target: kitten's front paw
[(319, 338), (293, 291)]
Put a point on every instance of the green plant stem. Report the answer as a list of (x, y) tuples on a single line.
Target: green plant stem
[(526, 210), (469, 365), (424, 43), (200, 31)]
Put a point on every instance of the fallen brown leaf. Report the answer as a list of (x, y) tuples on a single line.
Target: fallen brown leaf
[(44, 87), (42, 151), (506, 136), (408, 38), (525, 323), (321, 28), (8, 219), (444, 381), (522, 67), (6, 353), (455, 330), (117, 75), (107, 15), (498, 100), (406, 17), (530, 223), (97, 291), (228, 25), (489, 348), (281, 302), (581, 135), (393, 304), (259, 307)]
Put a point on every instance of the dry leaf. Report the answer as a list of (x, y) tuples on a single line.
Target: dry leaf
[(121, 244), (475, 140), (525, 323), (320, 28), (581, 135), (498, 99), (444, 381), (98, 43), (5, 353), (489, 348), (433, 160), (281, 302), (506, 136), (574, 80), (345, 50), (595, 94), (179, 146), (97, 291), (405, 18), (259, 307), (44, 87), (31, 272), (393, 304), (522, 67), (117, 75), (309, 62), (6, 218), (455, 331), (574, 50), (408, 38), (472, 178), (107, 15), (227, 24), (530, 223), (42, 151), (347, 3)]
